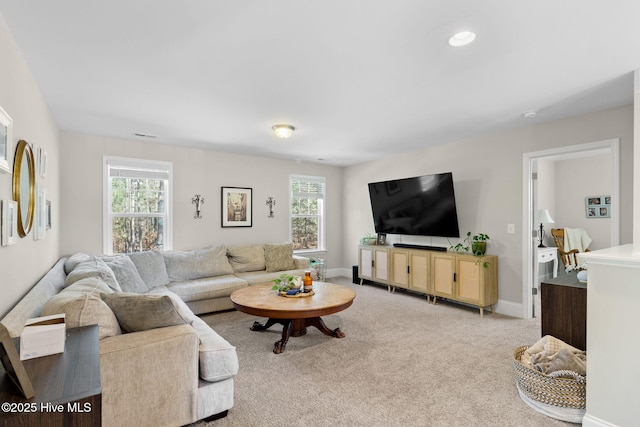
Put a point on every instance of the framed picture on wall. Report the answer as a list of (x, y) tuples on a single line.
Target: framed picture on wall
[(9, 222), (598, 206), (6, 135), (237, 207)]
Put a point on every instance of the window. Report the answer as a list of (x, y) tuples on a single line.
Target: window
[(137, 204), (307, 212)]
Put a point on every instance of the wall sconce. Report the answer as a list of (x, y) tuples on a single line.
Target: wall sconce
[(271, 202), (198, 201)]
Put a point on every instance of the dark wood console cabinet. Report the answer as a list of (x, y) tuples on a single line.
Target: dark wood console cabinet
[(67, 386), (563, 303)]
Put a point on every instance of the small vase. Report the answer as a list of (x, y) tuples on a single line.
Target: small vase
[(479, 248), (308, 281)]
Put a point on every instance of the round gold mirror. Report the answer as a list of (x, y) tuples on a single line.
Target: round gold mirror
[(24, 186)]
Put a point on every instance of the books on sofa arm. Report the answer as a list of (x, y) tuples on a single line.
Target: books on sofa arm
[(42, 336)]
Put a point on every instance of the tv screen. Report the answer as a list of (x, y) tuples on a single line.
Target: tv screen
[(423, 206)]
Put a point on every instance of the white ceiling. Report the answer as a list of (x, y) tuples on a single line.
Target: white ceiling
[(359, 79)]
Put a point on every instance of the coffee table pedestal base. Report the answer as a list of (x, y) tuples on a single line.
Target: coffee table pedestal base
[(295, 328)]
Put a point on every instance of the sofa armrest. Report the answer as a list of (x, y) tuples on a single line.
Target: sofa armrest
[(301, 262), (150, 377)]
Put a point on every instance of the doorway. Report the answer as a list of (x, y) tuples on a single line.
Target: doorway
[(529, 236)]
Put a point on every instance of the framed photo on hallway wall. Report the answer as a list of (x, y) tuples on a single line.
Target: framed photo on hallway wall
[(237, 207), (6, 135)]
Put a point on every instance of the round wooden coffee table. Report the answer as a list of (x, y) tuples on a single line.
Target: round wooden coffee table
[(294, 314)]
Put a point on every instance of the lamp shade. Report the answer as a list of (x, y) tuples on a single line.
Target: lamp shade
[(544, 217)]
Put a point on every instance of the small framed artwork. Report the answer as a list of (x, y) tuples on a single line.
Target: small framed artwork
[(48, 216), (237, 207), (13, 365), (598, 206), (40, 213), (9, 222), (6, 138), (382, 239)]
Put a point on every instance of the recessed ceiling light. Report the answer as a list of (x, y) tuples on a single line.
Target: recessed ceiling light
[(531, 114), (462, 38)]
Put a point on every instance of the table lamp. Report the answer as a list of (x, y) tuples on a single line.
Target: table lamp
[(543, 216)]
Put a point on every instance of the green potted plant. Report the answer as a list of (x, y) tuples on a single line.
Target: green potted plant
[(476, 244), (285, 283), (369, 239)]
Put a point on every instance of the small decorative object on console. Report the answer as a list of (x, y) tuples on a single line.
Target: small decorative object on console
[(308, 281)]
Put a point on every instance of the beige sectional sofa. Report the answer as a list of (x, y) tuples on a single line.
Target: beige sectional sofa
[(160, 364)]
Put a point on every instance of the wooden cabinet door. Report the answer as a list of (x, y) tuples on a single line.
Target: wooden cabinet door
[(381, 265), (400, 268), (469, 278), (365, 266), (419, 271), (443, 270)]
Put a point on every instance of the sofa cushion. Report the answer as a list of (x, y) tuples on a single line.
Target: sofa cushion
[(126, 274), (207, 288), (151, 267), (196, 264), (82, 306), (218, 359), (279, 257), (246, 258), (142, 312), (93, 267)]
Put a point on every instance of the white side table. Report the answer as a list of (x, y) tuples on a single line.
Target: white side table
[(547, 255)]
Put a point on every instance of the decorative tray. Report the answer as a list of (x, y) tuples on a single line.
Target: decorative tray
[(298, 295)]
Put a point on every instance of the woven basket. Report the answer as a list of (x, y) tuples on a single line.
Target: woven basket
[(564, 389)]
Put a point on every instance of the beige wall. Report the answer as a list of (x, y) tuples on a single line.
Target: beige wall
[(22, 264), (194, 172), (577, 179), (488, 183)]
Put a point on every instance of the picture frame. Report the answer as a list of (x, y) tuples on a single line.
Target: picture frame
[(6, 141), (13, 365), (48, 216), (598, 206), (237, 207), (40, 212), (9, 222)]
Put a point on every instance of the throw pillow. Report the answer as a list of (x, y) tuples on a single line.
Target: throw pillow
[(126, 274), (246, 258), (82, 306), (142, 312), (279, 257), (74, 260), (196, 264), (151, 267), (93, 267)]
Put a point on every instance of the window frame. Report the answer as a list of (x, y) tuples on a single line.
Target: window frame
[(321, 214), (107, 215)]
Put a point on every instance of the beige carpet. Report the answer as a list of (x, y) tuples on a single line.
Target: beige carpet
[(403, 363)]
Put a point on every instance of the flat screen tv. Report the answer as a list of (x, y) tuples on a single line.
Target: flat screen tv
[(422, 206)]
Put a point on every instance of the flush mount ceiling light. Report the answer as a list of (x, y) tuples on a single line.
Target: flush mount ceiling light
[(531, 114), (462, 38), (283, 131)]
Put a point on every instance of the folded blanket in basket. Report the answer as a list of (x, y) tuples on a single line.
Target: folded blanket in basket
[(549, 354)]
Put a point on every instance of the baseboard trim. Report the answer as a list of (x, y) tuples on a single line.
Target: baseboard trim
[(509, 308), (591, 421)]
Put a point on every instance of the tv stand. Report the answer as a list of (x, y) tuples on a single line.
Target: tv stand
[(455, 276), (423, 247)]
